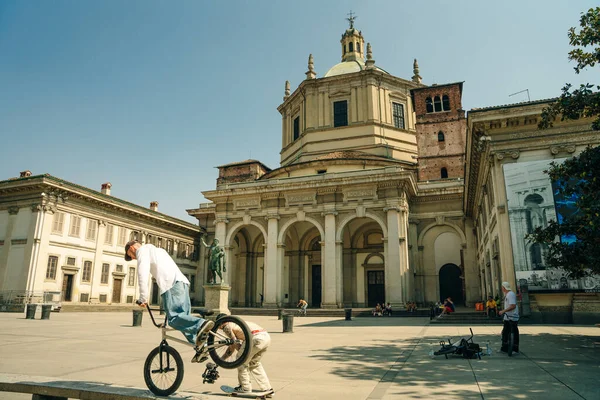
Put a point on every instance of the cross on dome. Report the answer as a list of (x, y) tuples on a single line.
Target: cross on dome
[(351, 19)]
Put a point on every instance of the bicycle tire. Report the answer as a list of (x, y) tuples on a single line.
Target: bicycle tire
[(511, 342), (217, 345), (154, 374), (445, 350)]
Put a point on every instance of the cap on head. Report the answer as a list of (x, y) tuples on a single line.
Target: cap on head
[(506, 286), (127, 246)]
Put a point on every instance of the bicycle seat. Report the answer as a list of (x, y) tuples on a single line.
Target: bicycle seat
[(204, 312)]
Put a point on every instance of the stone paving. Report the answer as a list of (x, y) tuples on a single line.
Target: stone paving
[(325, 358)]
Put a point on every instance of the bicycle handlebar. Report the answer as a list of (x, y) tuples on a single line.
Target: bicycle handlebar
[(139, 303)]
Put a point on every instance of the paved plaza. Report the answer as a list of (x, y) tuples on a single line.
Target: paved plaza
[(325, 358)]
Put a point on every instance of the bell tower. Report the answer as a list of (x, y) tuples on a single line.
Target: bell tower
[(353, 43)]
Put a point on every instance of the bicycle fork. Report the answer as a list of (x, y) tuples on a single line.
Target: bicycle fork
[(162, 367)]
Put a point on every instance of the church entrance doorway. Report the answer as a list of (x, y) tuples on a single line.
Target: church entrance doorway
[(451, 283), (67, 287), (316, 286), (375, 288)]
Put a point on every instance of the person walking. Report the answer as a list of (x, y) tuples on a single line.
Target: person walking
[(510, 318), (260, 343), (174, 290)]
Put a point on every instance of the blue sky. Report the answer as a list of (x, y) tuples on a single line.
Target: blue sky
[(152, 95)]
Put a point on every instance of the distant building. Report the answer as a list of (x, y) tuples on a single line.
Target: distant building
[(57, 236), (386, 192)]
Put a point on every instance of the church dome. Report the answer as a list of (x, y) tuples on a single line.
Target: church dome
[(348, 67)]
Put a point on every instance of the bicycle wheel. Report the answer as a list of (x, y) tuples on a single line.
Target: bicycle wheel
[(511, 342), (220, 340), (445, 350), (163, 370)]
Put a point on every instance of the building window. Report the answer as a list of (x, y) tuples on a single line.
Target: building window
[(398, 111), (71, 261), (296, 128), (119, 268), (429, 105), (441, 136), (444, 173), (192, 283), (358, 47), (340, 113), (92, 226), (51, 270), (351, 47), (134, 236), (121, 240), (131, 281), (445, 103), (108, 239), (437, 104), (129, 299), (104, 276), (58, 222), (84, 297), (321, 171), (169, 248), (159, 243), (102, 298), (86, 275), (150, 239), (75, 226), (344, 49)]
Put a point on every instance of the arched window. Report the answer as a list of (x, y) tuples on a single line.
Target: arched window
[(444, 173), (429, 104), (437, 104), (358, 47), (344, 49), (441, 136), (445, 103), (351, 47)]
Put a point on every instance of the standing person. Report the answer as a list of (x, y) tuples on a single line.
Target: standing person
[(510, 319), (260, 342), (174, 290)]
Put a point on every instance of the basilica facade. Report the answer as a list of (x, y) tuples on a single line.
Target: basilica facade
[(386, 192)]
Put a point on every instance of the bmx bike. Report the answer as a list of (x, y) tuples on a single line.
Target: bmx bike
[(163, 369), (465, 348)]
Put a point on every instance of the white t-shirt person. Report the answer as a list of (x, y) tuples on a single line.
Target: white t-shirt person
[(510, 298)]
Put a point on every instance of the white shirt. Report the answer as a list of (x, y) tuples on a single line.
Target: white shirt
[(155, 261), (509, 299)]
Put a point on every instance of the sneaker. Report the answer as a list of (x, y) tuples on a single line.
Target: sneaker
[(204, 328), (240, 389), (269, 393)]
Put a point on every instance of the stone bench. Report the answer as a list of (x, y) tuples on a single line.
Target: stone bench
[(49, 388)]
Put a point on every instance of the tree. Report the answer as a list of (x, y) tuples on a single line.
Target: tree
[(582, 102), (577, 180)]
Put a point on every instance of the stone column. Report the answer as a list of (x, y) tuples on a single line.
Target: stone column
[(271, 268), (393, 262), (97, 265), (281, 289), (404, 265), (415, 267), (339, 261), (329, 265), (12, 218), (40, 228)]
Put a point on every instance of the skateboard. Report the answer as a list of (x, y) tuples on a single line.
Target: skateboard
[(252, 395)]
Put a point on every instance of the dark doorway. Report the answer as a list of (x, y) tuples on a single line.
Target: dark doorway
[(375, 288), (316, 286), (116, 296), (67, 287), (155, 293), (451, 284)]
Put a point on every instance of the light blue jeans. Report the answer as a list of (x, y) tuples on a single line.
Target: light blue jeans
[(176, 302)]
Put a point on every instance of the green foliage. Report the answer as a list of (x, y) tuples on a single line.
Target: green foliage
[(582, 102), (583, 255)]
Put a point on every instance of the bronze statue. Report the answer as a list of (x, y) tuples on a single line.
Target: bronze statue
[(216, 260)]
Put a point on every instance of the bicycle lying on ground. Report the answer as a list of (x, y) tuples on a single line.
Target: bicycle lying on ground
[(163, 369), (465, 348)]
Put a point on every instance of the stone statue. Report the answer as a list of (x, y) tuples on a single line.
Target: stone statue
[(216, 260)]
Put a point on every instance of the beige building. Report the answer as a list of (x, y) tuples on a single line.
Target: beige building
[(59, 237), (381, 194)]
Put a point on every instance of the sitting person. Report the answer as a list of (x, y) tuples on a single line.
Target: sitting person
[(491, 307), (412, 306), (378, 311), (387, 310), (448, 307)]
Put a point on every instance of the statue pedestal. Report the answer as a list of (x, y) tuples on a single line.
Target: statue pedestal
[(216, 297)]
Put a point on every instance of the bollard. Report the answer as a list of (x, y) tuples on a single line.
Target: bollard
[(30, 313), (288, 323), (279, 313), (348, 312), (137, 317), (46, 308)]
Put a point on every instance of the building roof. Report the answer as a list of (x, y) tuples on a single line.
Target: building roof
[(108, 198), (435, 85), (245, 162), (520, 104)]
